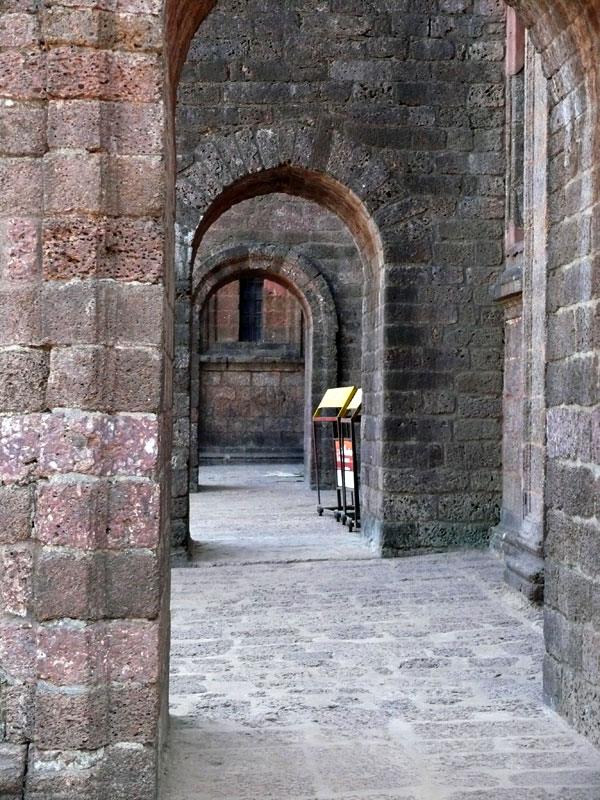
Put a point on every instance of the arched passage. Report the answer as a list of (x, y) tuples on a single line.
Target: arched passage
[(312, 185), (303, 278)]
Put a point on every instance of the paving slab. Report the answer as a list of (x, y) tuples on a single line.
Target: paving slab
[(265, 512), (304, 668)]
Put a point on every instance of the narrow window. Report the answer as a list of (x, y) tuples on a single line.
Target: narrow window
[(251, 309)]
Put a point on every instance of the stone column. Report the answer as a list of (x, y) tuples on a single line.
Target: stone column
[(519, 537), (84, 437)]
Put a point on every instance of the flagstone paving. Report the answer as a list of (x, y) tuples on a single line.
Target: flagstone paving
[(303, 668)]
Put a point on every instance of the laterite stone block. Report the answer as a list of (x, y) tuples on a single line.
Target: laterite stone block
[(72, 514), (19, 250), (16, 579), (15, 514), (23, 378), (71, 720)]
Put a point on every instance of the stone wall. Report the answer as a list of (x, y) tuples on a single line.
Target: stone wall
[(315, 354), (251, 407), (252, 393), (520, 535)]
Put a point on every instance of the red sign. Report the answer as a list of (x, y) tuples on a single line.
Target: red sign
[(348, 459)]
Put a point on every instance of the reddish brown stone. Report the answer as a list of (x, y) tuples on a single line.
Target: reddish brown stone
[(72, 247), (72, 312), (137, 32), (17, 707), (135, 77), (95, 444), (68, 654), (67, 774), (137, 381), (71, 514), (133, 713), (130, 771), (23, 377), (68, 585), (19, 446), (15, 514), (77, 72), (133, 250), (134, 185), (71, 720), (21, 316), (18, 30), (77, 377), (14, 119), (20, 185), (19, 250), (13, 765), (135, 128), (17, 649), (72, 442), (73, 26), (123, 249), (16, 579), (75, 123), (132, 652), (134, 510), (73, 182), (137, 314), (139, 6), (132, 584), (98, 28), (22, 74), (134, 448)]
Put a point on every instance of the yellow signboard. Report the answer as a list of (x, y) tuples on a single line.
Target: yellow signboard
[(337, 398)]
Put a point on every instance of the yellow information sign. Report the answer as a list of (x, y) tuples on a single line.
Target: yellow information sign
[(337, 398)]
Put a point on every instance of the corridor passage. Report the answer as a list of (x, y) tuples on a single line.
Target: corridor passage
[(304, 669)]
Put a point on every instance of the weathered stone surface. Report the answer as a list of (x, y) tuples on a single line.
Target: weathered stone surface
[(132, 584), (69, 585), (19, 249), (13, 760), (98, 444), (17, 647), (408, 679), (15, 514), (16, 570), (73, 720), (19, 446), (134, 515), (420, 144), (23, 378)]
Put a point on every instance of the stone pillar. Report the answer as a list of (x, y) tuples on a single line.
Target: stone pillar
[(85, 434), (185, 390), (519, 537)]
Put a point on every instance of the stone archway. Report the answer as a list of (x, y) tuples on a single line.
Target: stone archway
[(195, 203), (300, 275)]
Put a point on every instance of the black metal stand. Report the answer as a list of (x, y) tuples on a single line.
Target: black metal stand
[(333, 400), (350, 462)]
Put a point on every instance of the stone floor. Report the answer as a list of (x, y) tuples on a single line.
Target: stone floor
[(303, 668)]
